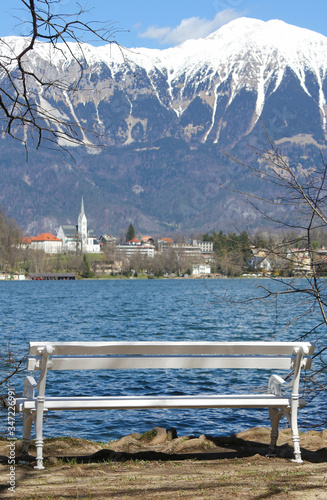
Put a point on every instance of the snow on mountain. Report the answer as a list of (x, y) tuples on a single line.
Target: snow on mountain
[(249, 53), (240, 37)]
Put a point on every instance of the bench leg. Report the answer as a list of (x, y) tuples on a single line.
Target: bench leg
[(39, 454), (27, 426), (39, 434), (275, 416), (292, 419)]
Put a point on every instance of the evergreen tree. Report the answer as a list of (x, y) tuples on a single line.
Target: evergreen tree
[(87, 273), (130, 233)]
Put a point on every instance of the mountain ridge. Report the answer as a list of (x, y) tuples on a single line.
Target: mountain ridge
[(166, 116)]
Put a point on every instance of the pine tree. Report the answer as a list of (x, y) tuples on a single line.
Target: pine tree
[(130, 233)]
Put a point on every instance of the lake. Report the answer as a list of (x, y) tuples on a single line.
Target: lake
[(110, 310)]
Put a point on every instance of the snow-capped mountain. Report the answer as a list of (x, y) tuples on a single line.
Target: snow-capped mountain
[(166, 115)]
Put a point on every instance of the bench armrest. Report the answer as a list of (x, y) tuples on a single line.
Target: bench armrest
[(30, 385), (275, 385)]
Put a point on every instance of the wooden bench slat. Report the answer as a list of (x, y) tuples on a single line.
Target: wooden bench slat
[(157, 362), (142, 402), (200, 348)]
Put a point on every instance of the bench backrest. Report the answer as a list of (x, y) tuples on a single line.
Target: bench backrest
[(179, 355)]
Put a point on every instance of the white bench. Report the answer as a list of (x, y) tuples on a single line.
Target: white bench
[(45, 356)]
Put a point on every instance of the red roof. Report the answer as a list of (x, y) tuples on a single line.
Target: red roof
[(167, 240), (134, 240), (45, 237), (26, 239)]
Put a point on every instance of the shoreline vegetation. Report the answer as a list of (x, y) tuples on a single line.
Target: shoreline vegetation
[(160, 465)]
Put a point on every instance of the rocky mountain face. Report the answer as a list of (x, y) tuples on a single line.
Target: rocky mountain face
[(167, 118)]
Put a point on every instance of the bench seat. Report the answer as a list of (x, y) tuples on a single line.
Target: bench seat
[(142, 402)]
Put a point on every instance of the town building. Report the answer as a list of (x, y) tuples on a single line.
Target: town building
[(206, 246), (107, 239), (7, 275), (194, 248), (147, 240), (259, 260), (260, 263), (46, 242), (164, 243), (186, 250), (201, 269), (143, 247), (299, 260)]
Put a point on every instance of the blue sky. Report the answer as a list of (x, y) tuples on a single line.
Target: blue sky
[(161, 24)]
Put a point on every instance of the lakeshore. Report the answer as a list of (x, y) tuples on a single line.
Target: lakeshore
[(151, 466), (72, 276)]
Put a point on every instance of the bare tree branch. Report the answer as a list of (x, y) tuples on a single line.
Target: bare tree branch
[(304, 194), (22, 115)]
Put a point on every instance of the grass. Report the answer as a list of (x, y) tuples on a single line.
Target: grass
[(148, 436)]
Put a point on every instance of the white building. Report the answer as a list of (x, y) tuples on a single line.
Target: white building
[(206, 246), (260, 263), (46, 242), (131, 249), (79, 237), (11, 276), (201, 269), (4, 275)]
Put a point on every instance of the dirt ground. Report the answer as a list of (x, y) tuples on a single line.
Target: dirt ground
[(160, 465)]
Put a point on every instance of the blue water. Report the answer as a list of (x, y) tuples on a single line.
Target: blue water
[(149, 310)]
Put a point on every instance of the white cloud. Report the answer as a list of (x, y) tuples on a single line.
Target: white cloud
[(193, 27)]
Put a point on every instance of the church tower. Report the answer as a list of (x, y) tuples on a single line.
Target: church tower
[(82, 227)]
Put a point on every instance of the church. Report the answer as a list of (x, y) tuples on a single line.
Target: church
[(78, 238)]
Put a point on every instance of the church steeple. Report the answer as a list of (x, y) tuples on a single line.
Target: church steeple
[(82, 207), (82, 226)]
